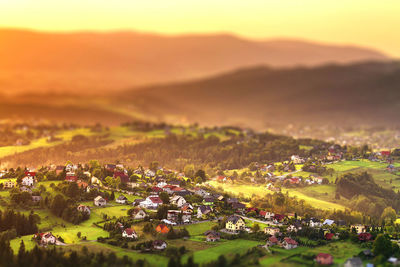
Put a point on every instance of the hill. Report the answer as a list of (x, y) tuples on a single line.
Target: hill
[(92, 62), (362, 93)]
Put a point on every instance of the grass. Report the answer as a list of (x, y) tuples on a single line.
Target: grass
[(227, 248), (199, 228)]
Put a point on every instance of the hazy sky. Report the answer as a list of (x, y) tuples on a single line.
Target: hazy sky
[(362, 22)]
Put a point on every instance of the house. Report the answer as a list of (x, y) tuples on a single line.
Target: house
[(278, 218), (169, 188), (329, 236), (121, 199), (179, 191), (156, 189), (324, 259), (124, 178), (294, 227), (235, 223), (71, 178), (186, 216), (129, 233), (289, 243), (110, 167), (272, 230), (162, 229), (177, 201), (328, 222), (138, 214), (46, 238), (36, 198), (99, 201), (364, 237), (272, 241), (173, 215), (9, 184), (238, 206), (151, 202), (212, 236), (201, 192), (230, 201), (83, 208), (203, 211), (353, 262), (359, 228), (30, 174), (313, 222), (28, 181), (267, 215), (159, 245), (83, 185), (296, 159), (187, 207)]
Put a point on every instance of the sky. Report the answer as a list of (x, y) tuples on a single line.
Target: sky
[(369, 23)]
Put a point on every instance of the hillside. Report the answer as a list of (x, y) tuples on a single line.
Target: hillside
[(87, 62), (363, 93)]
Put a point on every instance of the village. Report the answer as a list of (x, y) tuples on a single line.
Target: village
[(154, 210)]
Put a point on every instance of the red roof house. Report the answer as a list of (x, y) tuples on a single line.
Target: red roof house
[(324, 259)]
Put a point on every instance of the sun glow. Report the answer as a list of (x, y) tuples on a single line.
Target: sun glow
[(367, 23)]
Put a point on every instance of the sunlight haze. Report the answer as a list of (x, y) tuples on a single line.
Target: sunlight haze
[(366, 23)]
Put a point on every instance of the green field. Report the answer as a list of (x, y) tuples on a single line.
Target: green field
[(227, 248), (339, 250)]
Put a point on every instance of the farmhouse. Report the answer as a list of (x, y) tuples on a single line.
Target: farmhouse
[(99, 201), (83, 208), (272, 230), (359, 228), (121, 199), (46, 238), (203, 210), (235, 224), (9, 184), (201, 192), (324, 259), (71, 178), (28, 181), (151, 202), (212, 236), (267, 215), (159, 245), (173, 215), (186, 216), (289, 243), (177, 201), (129, 233), (272, 241), (138, 214)]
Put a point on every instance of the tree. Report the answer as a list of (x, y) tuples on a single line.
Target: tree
[(382, 246), (164, 197), (112, 196), (389, 215)]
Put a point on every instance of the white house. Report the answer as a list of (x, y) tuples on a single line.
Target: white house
[(177, 200), (121, 199), (99, 201), (151, 202), (130, 233), (138, 214), (201, 192), (47, 238), (28, 181), (159, 244), (83, 208)]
